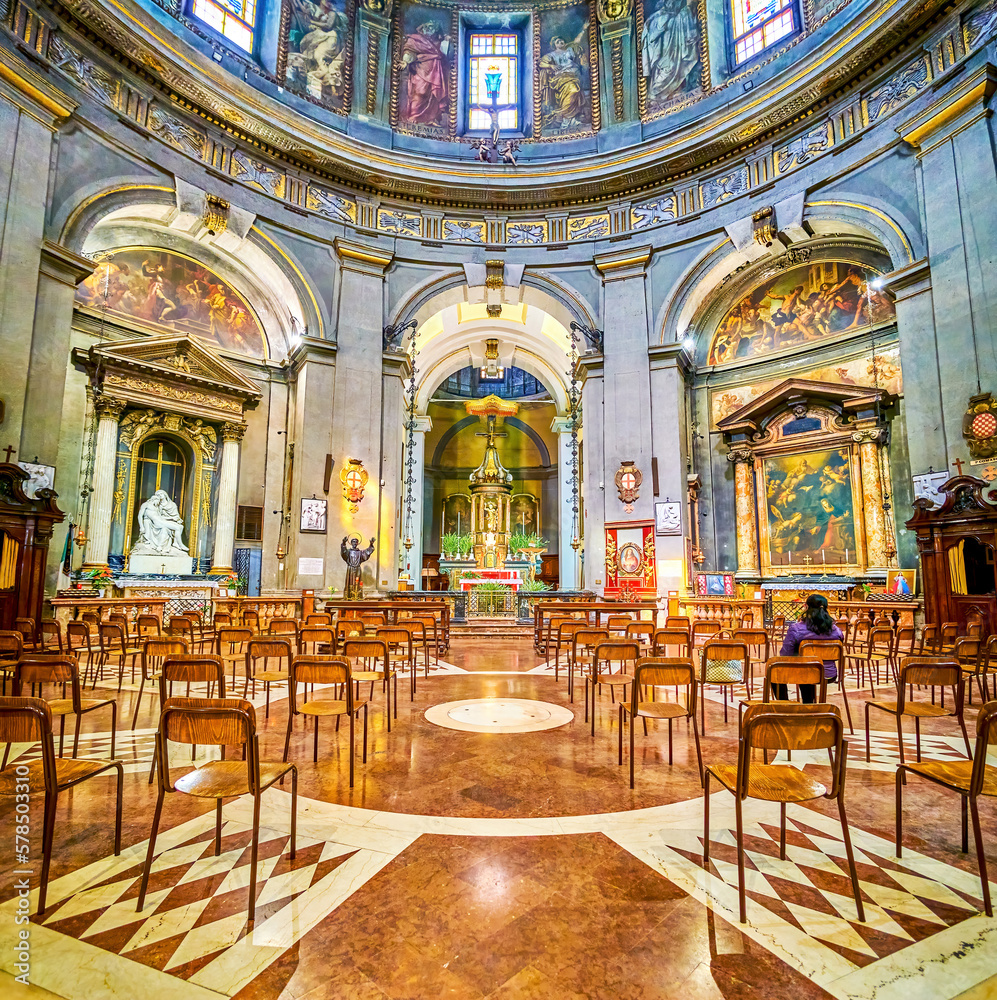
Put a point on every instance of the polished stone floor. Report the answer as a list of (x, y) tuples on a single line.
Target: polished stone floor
[(505, 865)]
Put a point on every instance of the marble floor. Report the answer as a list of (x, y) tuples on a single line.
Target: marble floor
[(474, 861)]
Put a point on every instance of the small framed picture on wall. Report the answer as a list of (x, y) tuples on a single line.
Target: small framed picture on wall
[(313, 515), (668, 518)]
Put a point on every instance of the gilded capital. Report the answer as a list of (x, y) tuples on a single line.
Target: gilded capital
[(740, 455), (872, 436), (233, 432), (108, 407)]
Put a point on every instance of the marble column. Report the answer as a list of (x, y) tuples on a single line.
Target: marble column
[(872, 498), (592, 572), (412, 527), (567, 557), (228, 498), (102, 495), (744, 505)]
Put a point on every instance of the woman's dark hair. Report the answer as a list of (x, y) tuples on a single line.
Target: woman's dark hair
[(817, 617)]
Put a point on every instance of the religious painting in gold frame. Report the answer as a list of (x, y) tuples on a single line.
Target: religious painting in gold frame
[(810, 504)]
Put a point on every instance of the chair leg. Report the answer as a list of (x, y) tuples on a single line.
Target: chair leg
[(965, 823), (218, 827), (287, 738), (151, 851), (742, 909), (315, 745), (48, 836), (706, 820), (365, 734), (62, 731), (138, 703), (917, 736), (900, 811), (980, 855), (254, 854), (352, 736), (965, 735), (782, 831), (851, 859), (294, 813), (867, 746), (114, 727), (671, 759), (117, 812), (844, 698), (699, 753), (620, 734)]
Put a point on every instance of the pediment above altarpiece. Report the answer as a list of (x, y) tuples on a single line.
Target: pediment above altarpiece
[(179, 374)]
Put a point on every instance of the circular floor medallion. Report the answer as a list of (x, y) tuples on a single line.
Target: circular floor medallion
[(499, 715)]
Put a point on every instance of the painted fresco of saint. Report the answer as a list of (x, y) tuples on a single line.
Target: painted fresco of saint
[(563, 84), (425, 72), (669, 52)]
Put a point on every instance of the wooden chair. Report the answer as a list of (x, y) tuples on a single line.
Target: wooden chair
[(217, 722), (347, 628), (316, 640), (947, 637), (617, 624), (683, 622), (704, 629), (422, 626), (11, 648), (783, 671), (723, 662), (191, 668), (613, 651), (318, 618), (778, 629), (79, 643), (643, 633), (50, 636), (154, 651), (928, 645), (267, 649), (583, 643), (29, 720), (375, 650), (54, 668), (373, 620), (969, 653), (971, 779), (783, 726), (880, 649), (671, 643), (923, 671), (826, 650), (29, 634), (230, 645), (401, 649), (221, 619), (565, 639), (114, 644), (655, 672), (251, 619), (757, 641), (286, 628), (326, 670)]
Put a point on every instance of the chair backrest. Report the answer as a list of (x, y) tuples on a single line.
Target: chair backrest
[(671, 642), (794, 670), (283, 626), (931, 671), (616, 651), (77, 636), (120, 619), (664, 671), (366, 649), (635, 630), (949, 632), (193, 668), (111, 634), (906, 637), (315, 635), (322, 670), (881, 639), (318, 618), (91, 618), (267, 649), (395, 635), (974, 629), (702, 629), (929, 639), (618, 623), (824, 650), (567, 629), (11, 644), (29, 720), (148, 624), (723, 661), (373, 618), (756, 639), (156, 647), (251, 618), (587, 638), (967, 649), (233, 635), (45, 668), (180, 625), (986, 737), (746, 619), (26, 626), (349, 626), (222, 618), (683, 622)]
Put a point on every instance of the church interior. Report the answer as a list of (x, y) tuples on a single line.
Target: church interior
[(498, 499)]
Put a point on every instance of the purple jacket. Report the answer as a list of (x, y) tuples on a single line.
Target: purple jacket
[(798, 632)]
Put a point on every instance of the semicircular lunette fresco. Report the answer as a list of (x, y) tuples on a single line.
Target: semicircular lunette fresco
[(801, 305), (159, 286)]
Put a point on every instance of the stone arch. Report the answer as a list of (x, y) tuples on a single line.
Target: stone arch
[(452, 432)]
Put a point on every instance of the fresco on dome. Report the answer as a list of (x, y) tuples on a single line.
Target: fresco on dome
[(564, 71), (809, 502), (424, 61), (158, 286), (669, 52), (881, 369), (801, 305), (319, 58)]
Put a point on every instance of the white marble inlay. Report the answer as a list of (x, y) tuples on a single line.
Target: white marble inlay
[(499, 715)]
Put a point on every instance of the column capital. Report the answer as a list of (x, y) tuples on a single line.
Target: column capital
[(422, 423), (741, 456), (233, 432), (33, 93), (62, 264), (396, 363), (362, 257), (622, 264), (106, 406), (907, 281), (562, 425), (872, 435)]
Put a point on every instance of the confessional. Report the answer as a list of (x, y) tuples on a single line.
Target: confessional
[(956, 542), (25, 530)]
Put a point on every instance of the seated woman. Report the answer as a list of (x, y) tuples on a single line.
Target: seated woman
[(816, 624)]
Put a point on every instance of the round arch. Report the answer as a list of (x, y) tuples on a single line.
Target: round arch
[(463, 424)]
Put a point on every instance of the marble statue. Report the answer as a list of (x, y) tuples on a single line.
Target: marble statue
[(160, 526), (354, 557)]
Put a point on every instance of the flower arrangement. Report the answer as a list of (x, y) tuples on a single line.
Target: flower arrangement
[(100, 577), (233, 581)]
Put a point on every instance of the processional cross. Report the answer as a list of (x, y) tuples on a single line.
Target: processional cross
[(10, 448)]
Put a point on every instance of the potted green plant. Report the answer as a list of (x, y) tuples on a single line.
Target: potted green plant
[(100, 578), (232, 582)]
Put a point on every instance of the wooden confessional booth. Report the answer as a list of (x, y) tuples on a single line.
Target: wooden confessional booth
[(956, 542), (25, 531)]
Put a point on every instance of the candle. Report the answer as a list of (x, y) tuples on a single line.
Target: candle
[(790, 554), (823, 557), (846, 555)]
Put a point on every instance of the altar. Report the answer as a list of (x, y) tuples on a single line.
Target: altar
[(506, 577)]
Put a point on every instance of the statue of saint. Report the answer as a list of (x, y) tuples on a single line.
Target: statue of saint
[(160, 525), (354, 557)]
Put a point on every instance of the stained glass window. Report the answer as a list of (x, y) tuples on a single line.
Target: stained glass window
[(235, 19), (757, 24), (489, 54)]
